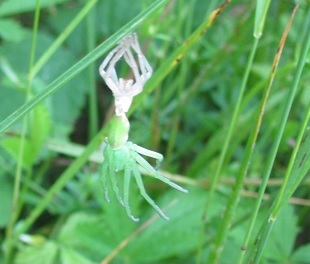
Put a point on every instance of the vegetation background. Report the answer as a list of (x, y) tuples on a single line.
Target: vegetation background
[(232, 123)]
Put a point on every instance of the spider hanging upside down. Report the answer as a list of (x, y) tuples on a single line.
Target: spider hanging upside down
[(120, 154)]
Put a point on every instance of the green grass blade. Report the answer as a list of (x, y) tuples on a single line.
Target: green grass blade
[(298, 168), (17, 198), (82, 64), (275, 146), (171, 62), (213, 258), (230, 208), (232, 203), (93, 106), (262, 7), (62, 37), (13, 7)]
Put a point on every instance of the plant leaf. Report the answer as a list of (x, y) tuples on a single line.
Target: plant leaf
[(32, 254), (180, 234), (10, 30), (70, 256), (281, 242), (10, 7)]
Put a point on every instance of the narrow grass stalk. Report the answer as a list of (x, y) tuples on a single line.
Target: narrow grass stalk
[(174, 59), (301, 166), (275, 146), (237, 190), (62, 37), (214, 254), (81, 64), (262, 7), (93, 106), (181, 83), (213, 258), (155, 128), (68, 174), (300, 157), (17, 181)]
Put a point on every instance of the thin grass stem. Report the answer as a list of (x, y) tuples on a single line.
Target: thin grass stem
[(237, 190), (17, 202), (283, 119), (93, 105)]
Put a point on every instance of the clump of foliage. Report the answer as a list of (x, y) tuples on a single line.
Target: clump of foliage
[(228, 106)]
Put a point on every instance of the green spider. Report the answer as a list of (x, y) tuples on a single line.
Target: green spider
[(122, 155), (119, 154)]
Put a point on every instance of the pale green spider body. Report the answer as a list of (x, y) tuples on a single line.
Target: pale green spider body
[(122, 155)]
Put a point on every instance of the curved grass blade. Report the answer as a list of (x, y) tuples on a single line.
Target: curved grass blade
[(82, 64), (171, 62), (18, 201), (298, 168), (262, 7), (226, 220), (271, 157), (62, 37)]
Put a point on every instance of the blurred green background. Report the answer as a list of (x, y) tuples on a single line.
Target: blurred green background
[(198, 110)]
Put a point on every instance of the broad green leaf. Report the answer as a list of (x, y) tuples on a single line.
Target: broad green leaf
[(281, 242), (46, 253), (10, 30), (89, 234), (17, 98), (65, 105), (70, 256), (40, 125), (12, 145), (301, 255), (10, 7), (163, 239)]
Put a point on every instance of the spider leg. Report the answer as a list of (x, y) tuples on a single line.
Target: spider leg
[(112, 175), (107, 68), (145, 67), (133, 64), (126, 193), (149, 153), (143, 192), (138, 85), (125, 44), (118, 52), (103, 176), (113, 76), (115, 59), (106, 61), (151, 170)]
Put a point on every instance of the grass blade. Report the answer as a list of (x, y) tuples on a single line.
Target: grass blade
[(171, 62), (262, 7), (236, 192), (17, 200), (275, 146), (298, 168)]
